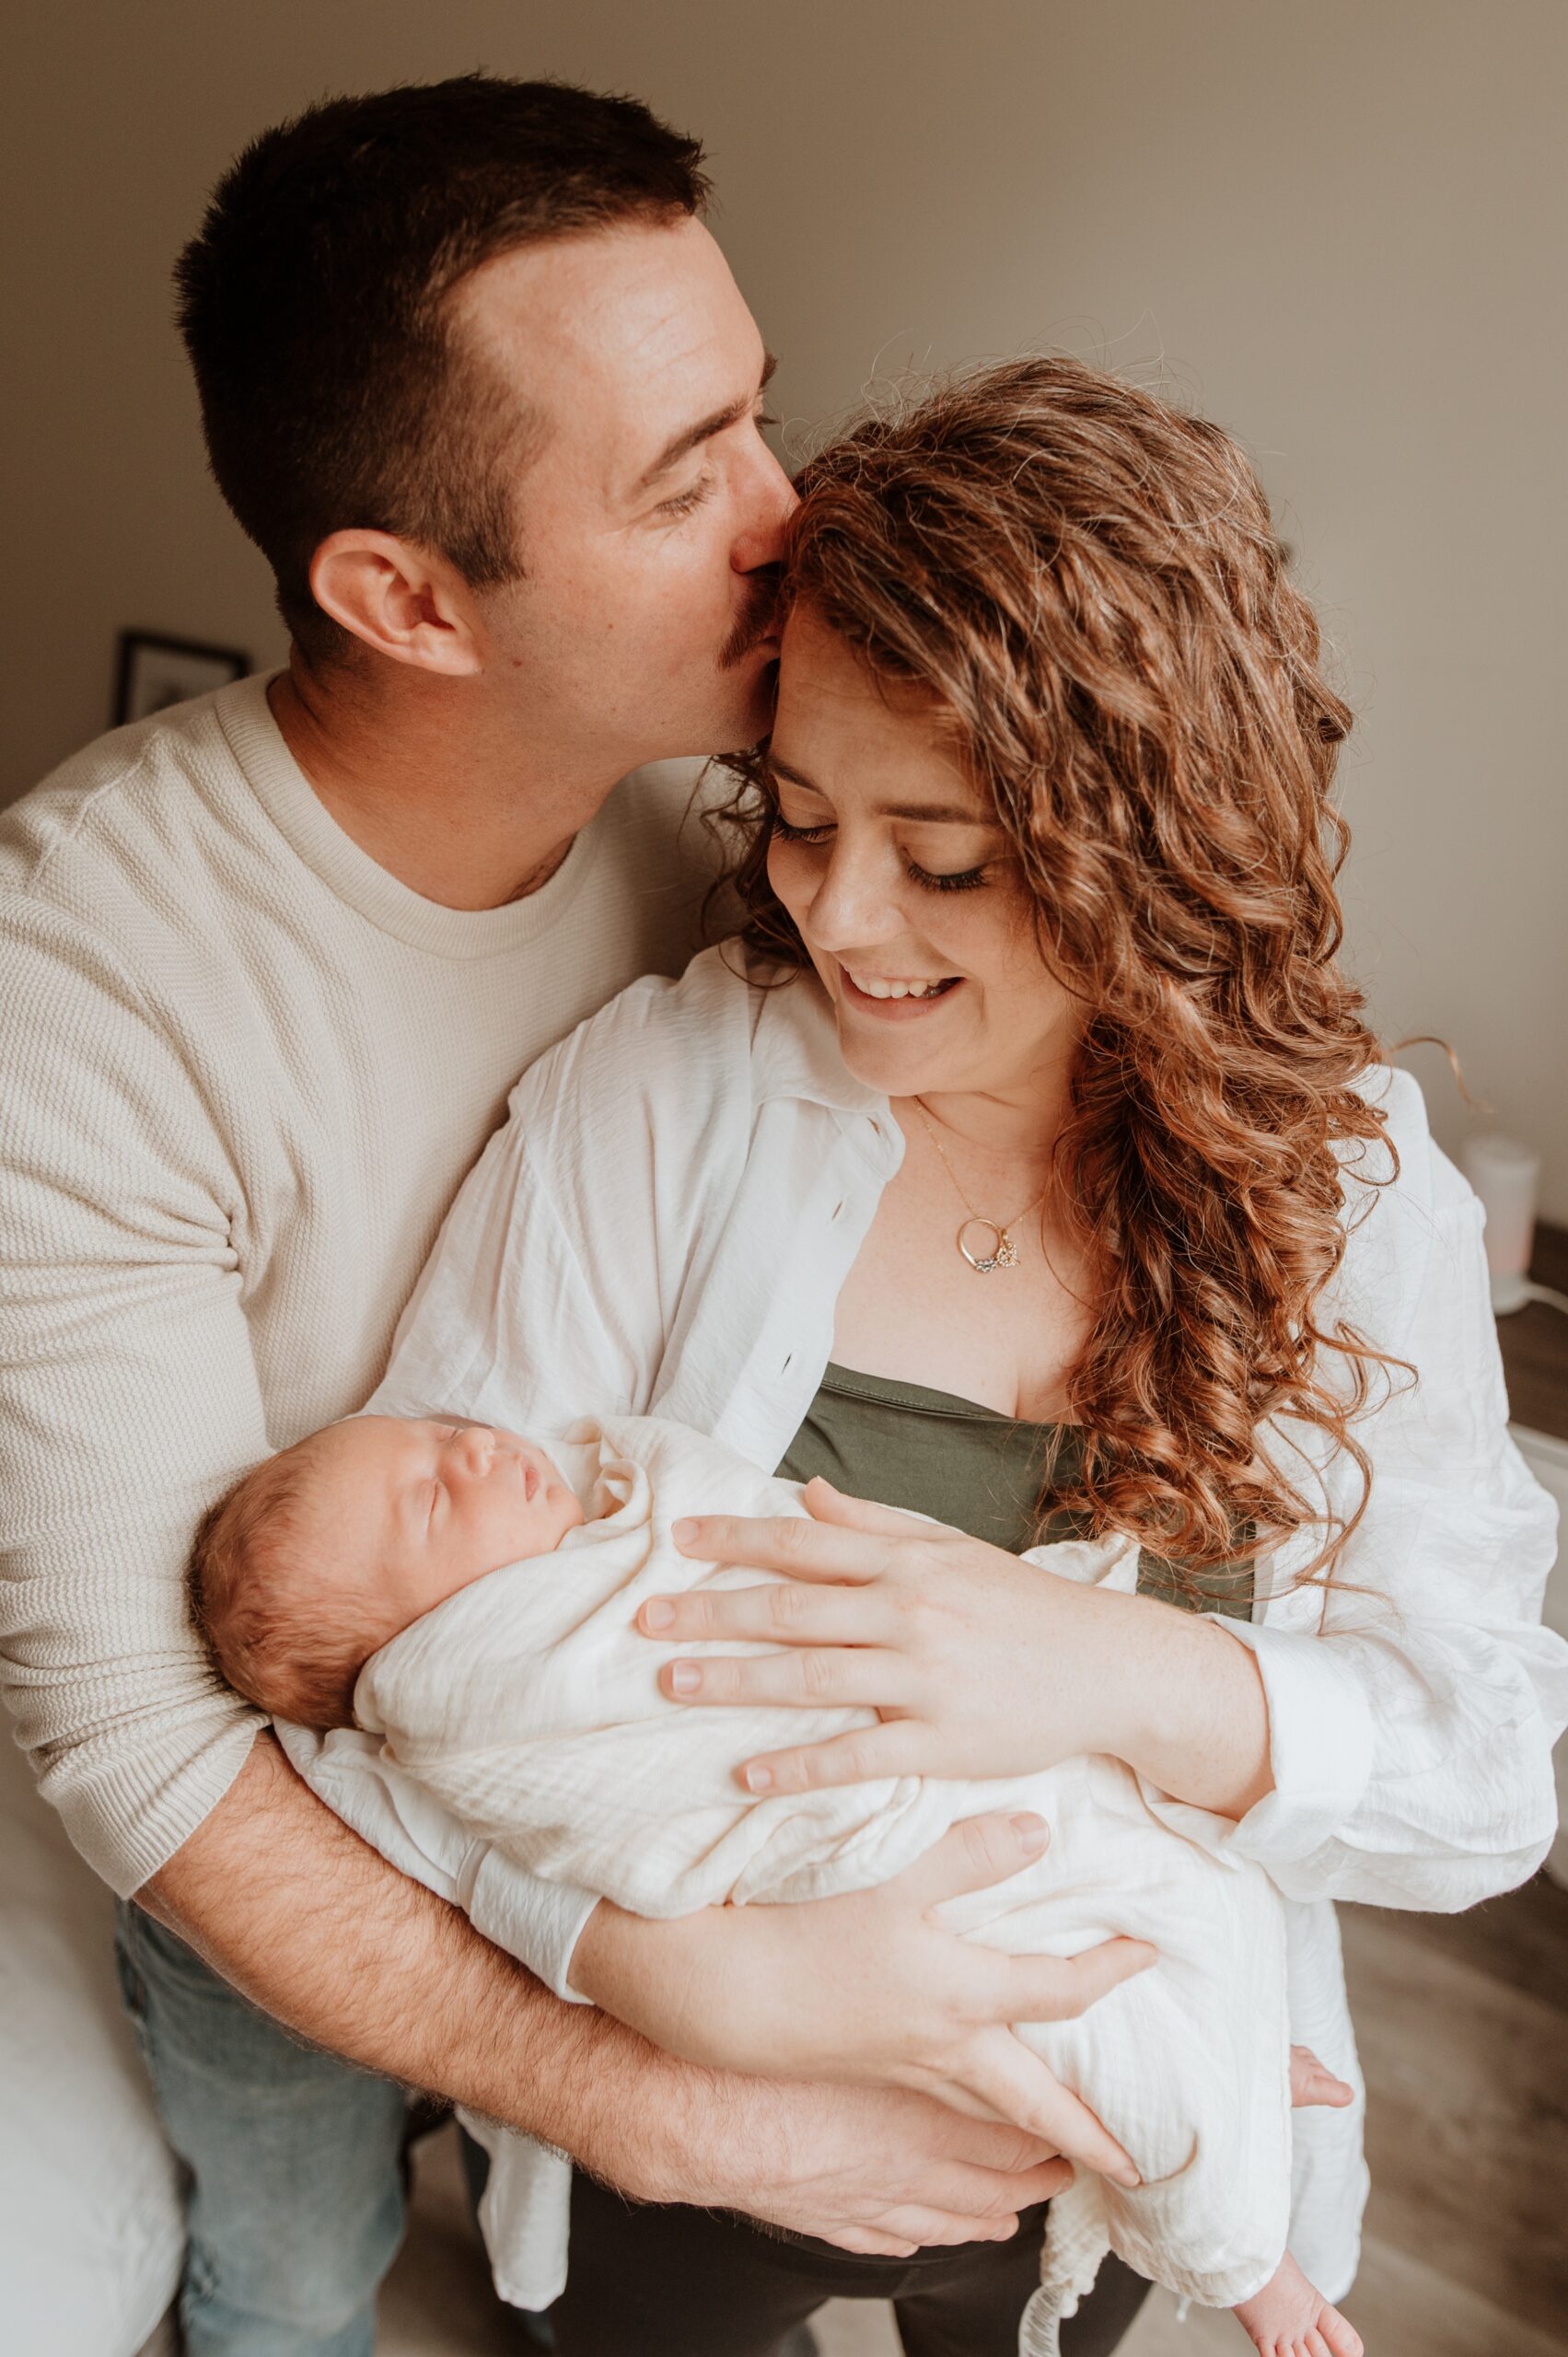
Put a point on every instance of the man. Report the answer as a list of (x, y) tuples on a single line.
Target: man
[(477, 381)]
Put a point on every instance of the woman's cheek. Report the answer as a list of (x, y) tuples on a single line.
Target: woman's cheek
[(789, 873)]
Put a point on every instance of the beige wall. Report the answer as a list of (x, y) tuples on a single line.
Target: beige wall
[(1339, 221)]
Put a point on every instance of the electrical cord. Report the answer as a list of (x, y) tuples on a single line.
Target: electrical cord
[(1509, 1294)]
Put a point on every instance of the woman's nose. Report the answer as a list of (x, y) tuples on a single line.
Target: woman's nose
[(852, 907)]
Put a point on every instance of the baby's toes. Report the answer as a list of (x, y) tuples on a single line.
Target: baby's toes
[(1339, 2338)]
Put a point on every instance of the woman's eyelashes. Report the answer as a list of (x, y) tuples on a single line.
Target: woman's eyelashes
[(966, 880), (963, 879)]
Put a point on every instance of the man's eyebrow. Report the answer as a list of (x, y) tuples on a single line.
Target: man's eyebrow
[(691, 438), (938, 814)]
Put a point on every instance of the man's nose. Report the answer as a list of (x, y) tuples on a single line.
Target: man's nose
[(773, 502)]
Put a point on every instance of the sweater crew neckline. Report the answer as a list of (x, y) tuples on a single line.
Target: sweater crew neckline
[(333, 856)]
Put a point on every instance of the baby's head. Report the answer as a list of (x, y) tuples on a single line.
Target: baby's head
[(323, 1554)]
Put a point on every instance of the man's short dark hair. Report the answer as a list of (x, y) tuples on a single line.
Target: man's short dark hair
[(315, 307)]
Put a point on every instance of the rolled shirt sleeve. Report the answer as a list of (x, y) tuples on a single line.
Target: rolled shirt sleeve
[(1413, 1696), (1320, 1745)]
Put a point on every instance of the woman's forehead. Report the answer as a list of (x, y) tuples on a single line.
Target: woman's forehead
[(842, 728)]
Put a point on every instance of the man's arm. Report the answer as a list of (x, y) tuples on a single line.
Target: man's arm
[(294, 1909), (129, 1398)]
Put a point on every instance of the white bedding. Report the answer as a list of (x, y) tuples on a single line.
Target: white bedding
[(528, 1704)]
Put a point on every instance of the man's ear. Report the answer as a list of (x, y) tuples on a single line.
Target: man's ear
[(402, 600)]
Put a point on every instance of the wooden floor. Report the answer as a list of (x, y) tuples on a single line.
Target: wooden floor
[(1463, 2027)]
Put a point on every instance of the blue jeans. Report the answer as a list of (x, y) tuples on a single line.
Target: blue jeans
[(294, 2162)]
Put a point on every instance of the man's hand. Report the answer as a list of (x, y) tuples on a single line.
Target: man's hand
[(291, 1906), (871, 2169), (870, 1988)]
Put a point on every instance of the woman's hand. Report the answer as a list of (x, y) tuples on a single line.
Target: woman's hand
[(870, 1988), (978, 1663)]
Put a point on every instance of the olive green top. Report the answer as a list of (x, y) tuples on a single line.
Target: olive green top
[(986, 1473)]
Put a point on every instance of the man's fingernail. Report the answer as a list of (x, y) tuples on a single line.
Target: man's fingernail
[(660, 1614), (685, 1678), (759, 1778), (1032, 1831), (683, 1532)]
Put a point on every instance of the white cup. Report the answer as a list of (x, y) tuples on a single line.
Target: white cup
[(1505, 1175)]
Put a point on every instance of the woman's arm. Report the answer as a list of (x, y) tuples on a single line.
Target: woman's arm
[(1386, 1738), (981, 1662)]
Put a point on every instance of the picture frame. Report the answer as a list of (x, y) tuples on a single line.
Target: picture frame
[(154, 670)]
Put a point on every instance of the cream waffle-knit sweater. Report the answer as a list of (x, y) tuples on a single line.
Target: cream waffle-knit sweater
[(242, 1072)]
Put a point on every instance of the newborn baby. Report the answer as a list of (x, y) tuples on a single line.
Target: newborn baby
[(400, 1575)]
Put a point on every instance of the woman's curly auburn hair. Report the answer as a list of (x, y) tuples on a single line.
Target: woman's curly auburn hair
[(1089, 584)]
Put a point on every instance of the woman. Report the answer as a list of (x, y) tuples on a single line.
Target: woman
[(1044, 1178)]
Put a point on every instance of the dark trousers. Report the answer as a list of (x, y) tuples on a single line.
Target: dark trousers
[(653, 2282)]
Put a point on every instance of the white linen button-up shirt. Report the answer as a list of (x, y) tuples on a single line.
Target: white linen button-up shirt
[(662, 1227)]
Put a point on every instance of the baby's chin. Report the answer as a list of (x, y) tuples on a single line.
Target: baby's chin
[(559, 1510), (547, 1522)]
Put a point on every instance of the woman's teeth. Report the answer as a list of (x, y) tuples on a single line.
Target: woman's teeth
[(873, 986)]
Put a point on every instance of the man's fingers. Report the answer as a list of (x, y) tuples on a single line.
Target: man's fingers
[(998, 2150), (1017, 2083), (858, 1757), (866, 2243), (929, 2228), (990, 2194), (973, 1854), (1054, 1988), (1042, 2184)]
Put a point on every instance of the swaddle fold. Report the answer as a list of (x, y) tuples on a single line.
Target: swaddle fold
[(530, 1705)]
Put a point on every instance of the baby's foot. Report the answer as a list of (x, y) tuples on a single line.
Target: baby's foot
[(1312, 2082), (1288, 2318)]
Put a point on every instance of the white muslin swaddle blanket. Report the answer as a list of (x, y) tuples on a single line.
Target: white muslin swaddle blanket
[(528, 1704)]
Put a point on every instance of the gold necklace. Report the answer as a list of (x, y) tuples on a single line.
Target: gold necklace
[(1003, 1253)]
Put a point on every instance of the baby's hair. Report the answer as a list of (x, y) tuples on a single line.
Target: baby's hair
[(256, 1604)]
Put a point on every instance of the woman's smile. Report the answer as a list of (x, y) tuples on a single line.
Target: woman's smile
[(904, 886), (885, 998)]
